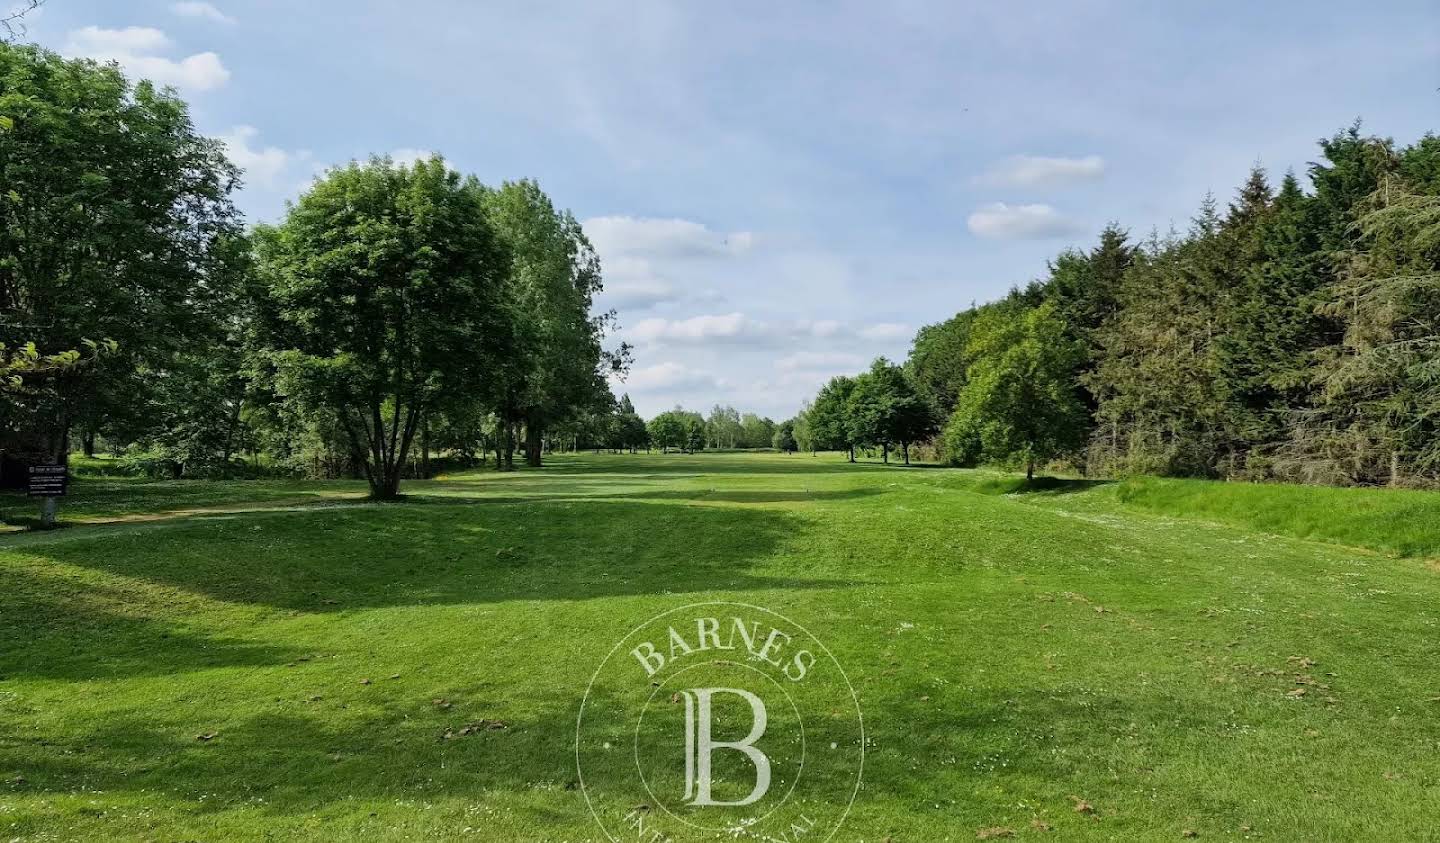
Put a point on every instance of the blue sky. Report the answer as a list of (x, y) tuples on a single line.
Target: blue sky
[(782, 191)]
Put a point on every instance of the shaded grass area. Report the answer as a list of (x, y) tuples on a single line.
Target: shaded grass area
[(1010, 651), (92, 499)]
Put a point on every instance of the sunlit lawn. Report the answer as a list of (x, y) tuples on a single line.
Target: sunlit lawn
[(1014, 654)]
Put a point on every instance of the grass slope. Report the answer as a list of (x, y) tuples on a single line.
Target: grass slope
[(1010, 652)]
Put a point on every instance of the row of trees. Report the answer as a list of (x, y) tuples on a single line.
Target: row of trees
[(394, 306), (684, 430), (881, 408), (1291, 335)]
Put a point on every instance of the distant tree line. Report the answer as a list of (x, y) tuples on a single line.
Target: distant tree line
[(880, 408), (396, 311), (1290, 335)]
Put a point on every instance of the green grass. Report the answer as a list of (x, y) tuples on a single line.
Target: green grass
[(1010, 651), (1402, 522)]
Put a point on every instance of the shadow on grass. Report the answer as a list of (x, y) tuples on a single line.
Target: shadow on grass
[(88, 630), (444, 551), (1037, 486), (667, 466), (547, 493)]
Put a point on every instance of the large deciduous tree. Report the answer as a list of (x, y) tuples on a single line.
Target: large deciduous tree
[(829, 417), (381, 292), (886, 409), (1020, 400), (557, 362), (115, 217)]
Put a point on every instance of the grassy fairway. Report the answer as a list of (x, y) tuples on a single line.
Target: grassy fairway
[(1012, 653)]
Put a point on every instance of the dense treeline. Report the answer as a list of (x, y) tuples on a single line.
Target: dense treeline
[(1290, 335), (394, 309)]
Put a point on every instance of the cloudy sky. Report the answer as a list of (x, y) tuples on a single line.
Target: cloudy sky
[(782, 191)]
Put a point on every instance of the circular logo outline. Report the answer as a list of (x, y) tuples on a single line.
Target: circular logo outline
[(854, 697)]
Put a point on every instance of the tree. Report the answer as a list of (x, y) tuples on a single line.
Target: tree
[(885, 409), (379, 294), (633, 433), (1377, 416), (1020, 401), (1157, 387), (784, 439), (1271, 327), (829, 416), (692, 426), (668, 430), (937, 361), (115, 217), (804, 435), (12, 24), (556, 361), (723, 428), (756, 432)]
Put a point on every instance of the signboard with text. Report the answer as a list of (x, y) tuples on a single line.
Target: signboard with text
[(48, 481)]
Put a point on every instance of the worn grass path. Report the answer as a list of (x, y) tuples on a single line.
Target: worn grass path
[(1013, 653)]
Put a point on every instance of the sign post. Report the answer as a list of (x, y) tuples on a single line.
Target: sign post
[(48, 482)]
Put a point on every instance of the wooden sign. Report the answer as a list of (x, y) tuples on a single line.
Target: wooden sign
[(48, 481)]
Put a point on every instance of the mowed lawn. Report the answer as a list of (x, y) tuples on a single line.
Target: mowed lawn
[(288, 667)]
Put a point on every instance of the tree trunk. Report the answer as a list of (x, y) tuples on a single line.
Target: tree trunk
[(852, 453), (386, 487), (905, 447), (532, 444), (885, 452), (425, 450), (87, 443), (509, 454), (1030, 469)]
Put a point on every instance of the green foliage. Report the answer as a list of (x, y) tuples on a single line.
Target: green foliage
[(1289, 337), (679, 430), (630, 428), (938, 360), (1019, 402), (379, 296), (554, 367), (756, 431), (803, 432), (114, 219), (723, 428), (886, 409), (784, 438), (1377, 417), (829, 417)]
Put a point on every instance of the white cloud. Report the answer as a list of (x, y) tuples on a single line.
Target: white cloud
[(669, 376), (638, 294), (886, 331), (263, 166), (95, 41), (1042, 171), (616, 236), (737, 328), (134, 48), (1000, 221), (207, 11), (729, 327), (810, 361)]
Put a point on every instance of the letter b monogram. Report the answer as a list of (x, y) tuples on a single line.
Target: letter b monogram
[(699, 746)]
